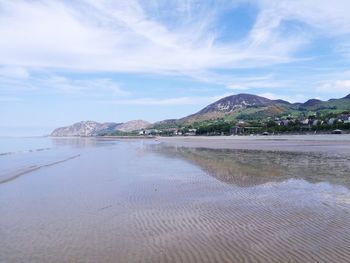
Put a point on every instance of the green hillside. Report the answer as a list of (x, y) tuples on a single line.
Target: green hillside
[(273, 115)]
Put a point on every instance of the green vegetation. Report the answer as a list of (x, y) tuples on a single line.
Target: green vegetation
[(214, 128), (120, 133), (306, 122), (250, 114)]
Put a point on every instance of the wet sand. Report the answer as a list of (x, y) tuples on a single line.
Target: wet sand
[(329, 144), (143, 201), (6, 177), (255, 167)]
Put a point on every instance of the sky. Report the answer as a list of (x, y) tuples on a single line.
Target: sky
[(66, 61)]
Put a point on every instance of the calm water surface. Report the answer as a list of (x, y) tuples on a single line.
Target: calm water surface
[(91, 200)]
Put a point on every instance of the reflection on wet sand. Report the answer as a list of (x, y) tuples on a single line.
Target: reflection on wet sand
[(250, 167), (130, 202)]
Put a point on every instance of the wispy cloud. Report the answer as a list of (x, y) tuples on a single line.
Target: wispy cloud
[(329, 17), (124, 36), (88, 51), (80, 86), (337, 86), (289, 98), (173, 38), (167, 101), (256, 82), (344, 49), (19, 80), (14, 72)]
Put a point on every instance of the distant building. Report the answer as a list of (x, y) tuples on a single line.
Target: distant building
[(236, 130), (345, 117), (331, 121), (145, 132), (191, 132)]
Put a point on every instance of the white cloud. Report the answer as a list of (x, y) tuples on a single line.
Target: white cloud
[(14, 72), (260, 82), (42, 82), (330, 17), (337, 86), (176, 37), (123, 36), (292, 98), (168, 101), (344, 49), (89, 86)]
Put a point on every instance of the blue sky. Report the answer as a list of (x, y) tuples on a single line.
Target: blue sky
[(66, 61)]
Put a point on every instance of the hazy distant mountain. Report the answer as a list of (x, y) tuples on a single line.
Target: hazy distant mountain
[(92, 128), (84, 128), (133, 126)]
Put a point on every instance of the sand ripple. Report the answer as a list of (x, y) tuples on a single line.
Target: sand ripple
[(124, 203)]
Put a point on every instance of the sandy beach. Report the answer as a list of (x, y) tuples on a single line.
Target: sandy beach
[(158, 201)]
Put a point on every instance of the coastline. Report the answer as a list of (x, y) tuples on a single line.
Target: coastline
[(4, 178), (125, 137), (320, 143), (103, 137)]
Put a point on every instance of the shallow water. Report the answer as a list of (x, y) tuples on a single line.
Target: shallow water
[(141, 201)]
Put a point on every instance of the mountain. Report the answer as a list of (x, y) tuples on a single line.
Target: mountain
[(241, 104), (235, 107), (133, 126), (84, 128), (311, 102), (92, 128), (314, 105), (252, 107), (234, 102)]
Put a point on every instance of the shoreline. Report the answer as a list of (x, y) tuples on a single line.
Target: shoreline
[(331, 144), (12, 176), (325, 144), (103, 137)]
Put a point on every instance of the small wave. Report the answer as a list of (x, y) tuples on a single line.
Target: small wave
[(25, 151), (13, 175)]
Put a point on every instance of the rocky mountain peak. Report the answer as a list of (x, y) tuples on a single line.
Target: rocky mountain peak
[(234, 102)]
